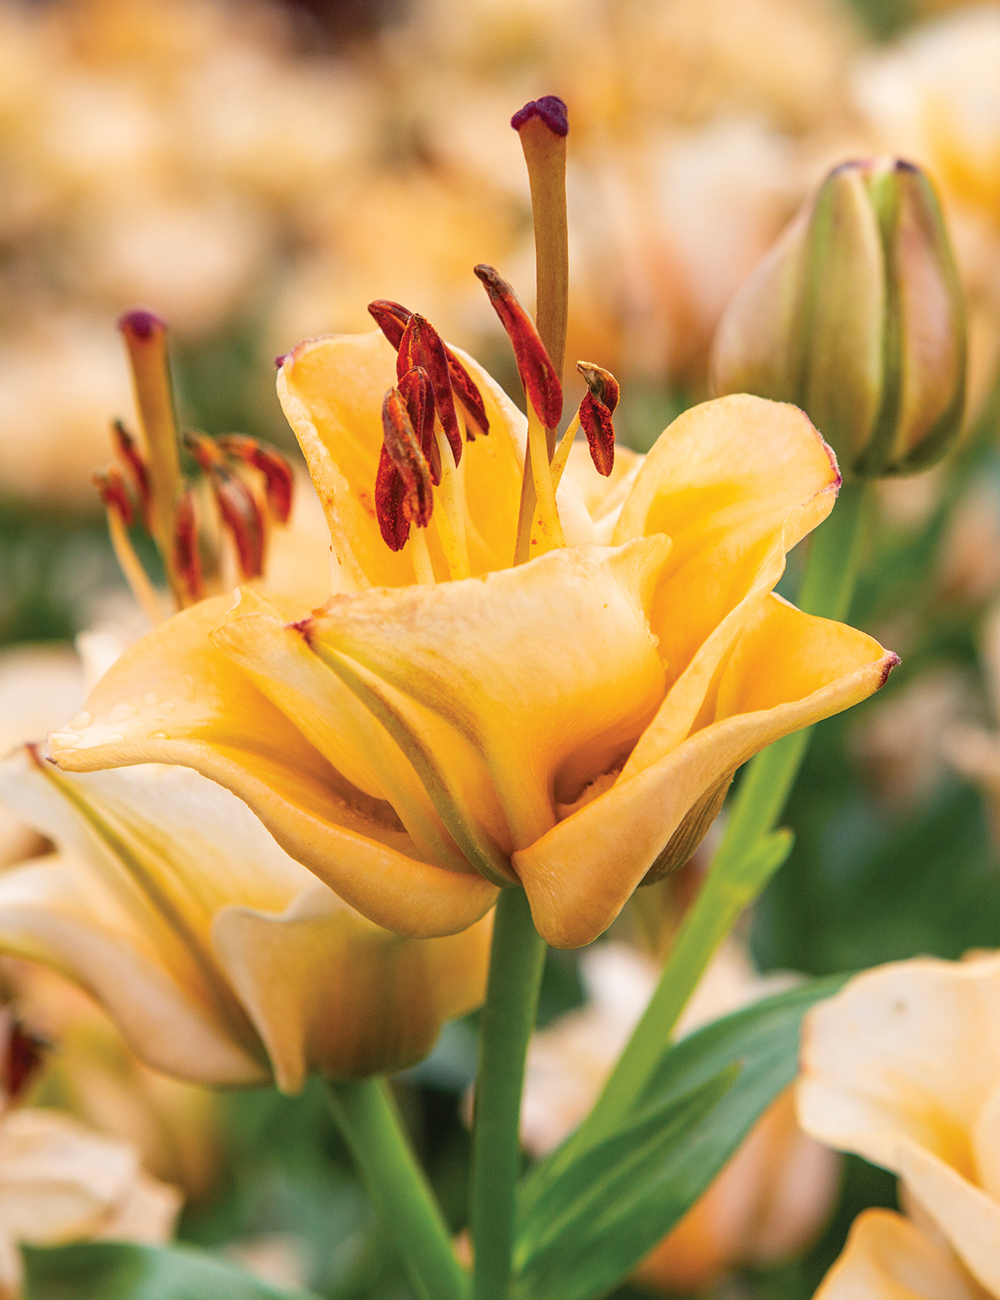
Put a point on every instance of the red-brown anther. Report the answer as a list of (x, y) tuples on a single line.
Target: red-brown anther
[(22, 1057), (403, 491), (242, 516), (278, 478), (238, 506), (538, 375), (415, 385), (186, 555), (595, 414), (114, 495), (389, 492), (595, 421), (391, 318), (421, 345), (602, 384), (128, 453), (469, 395)]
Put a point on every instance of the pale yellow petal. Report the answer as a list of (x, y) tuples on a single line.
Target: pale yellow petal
[(903, 1067), (728, 482), (328, 989), (887, 1258), (603, 496), (174, 698), (54, 912), (787, 671), (542, 675), (331, 390)]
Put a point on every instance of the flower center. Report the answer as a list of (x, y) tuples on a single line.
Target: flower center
[(419, 465)]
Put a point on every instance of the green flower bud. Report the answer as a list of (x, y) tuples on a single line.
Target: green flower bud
[(857, 316)]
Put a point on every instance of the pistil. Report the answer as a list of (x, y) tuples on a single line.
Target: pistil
[(146, 340), (543, 126)]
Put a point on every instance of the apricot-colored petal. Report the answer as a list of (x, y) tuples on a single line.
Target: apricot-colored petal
[(603, 497), (788, 671), (174, 698), (328, 989), (280, 663), (727, 481), (903, 1067), (541, 676), (331, 389), (55, 912), (887, 1257)]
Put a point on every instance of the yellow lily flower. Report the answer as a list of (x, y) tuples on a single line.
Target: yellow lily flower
[(221, 959), (903, 1068), (571, 724)]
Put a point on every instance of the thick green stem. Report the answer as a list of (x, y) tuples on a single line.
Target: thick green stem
[(516, 961), (399, 1191), (748, 854)]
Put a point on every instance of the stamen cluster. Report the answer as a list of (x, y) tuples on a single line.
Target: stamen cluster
[(250, 484)]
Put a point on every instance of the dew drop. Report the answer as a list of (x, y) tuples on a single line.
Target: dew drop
[(150, 697), (122, 712), (82, 719)]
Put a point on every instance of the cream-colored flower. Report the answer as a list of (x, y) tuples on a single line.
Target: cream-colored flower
[(63, 1182), (220, 959), (903, 1067), (92, 1075), (888, 1258), (37, 684), (775, 1192)]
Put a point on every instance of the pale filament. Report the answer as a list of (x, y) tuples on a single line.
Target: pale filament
[(450, 518), (423, 569), (545, 495), (135, 575), (562, 451)]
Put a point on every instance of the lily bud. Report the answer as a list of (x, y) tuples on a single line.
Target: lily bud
[(857, 316)]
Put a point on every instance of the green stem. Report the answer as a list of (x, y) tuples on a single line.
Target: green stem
[(399, 1191), (516, 961), (748, 854)]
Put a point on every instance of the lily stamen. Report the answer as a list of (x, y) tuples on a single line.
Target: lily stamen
[(595, 414), (543, 390), (121, 515), (404, 493)]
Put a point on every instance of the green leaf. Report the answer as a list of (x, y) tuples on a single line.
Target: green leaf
[(595, 1207), (110, 1270), (612, 1197)]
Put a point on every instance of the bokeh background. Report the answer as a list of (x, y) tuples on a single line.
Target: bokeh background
[(256, 173)]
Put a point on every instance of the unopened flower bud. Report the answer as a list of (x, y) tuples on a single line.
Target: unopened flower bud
[(857, 316)]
